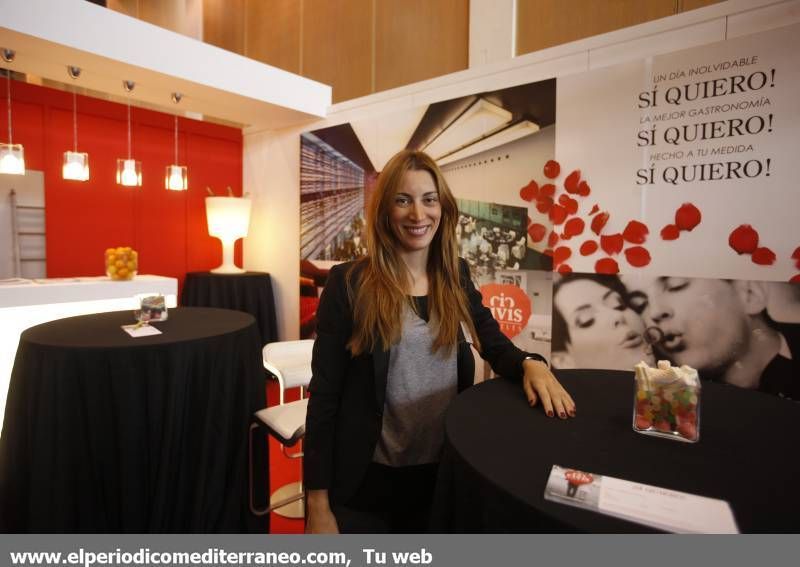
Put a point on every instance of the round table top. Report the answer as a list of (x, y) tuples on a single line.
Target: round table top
[(746, 453), (103, 330)]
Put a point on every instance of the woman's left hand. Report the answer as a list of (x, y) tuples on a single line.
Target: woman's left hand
[(540, 384)]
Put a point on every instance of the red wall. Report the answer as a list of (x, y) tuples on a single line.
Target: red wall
[(168, 228)]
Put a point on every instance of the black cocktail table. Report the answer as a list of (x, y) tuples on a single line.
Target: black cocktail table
[(108, 433), (499, 453)]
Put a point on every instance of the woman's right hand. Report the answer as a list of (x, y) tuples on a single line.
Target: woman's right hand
[(319, 517)]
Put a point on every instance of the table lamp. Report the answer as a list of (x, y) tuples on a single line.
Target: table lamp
[(228, 219)]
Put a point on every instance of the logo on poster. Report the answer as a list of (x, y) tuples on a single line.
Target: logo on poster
[(510, 306)]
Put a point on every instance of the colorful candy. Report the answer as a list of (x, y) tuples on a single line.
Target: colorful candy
[(666, 401)]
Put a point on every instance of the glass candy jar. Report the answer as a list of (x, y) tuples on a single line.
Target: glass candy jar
[(667, 401)]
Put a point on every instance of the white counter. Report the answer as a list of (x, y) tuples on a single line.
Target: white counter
[(25, 303)]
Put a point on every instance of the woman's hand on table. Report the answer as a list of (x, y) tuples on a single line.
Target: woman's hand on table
[(541, 386)]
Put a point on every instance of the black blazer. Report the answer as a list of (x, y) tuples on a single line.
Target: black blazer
[(345, 409)]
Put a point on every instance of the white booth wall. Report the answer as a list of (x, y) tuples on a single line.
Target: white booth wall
[(272, 158)]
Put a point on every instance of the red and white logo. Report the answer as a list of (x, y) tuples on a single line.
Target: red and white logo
[(510, 306), (578, 477)]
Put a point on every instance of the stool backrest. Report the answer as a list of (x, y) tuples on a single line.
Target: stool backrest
[(289, 362)]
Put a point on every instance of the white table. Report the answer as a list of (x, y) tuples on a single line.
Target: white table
[(25, 303)]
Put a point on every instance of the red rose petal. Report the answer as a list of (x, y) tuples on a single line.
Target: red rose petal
[(797, 264), (558, 214), (543, 204), (743, 239), (530, 191), (572, 180), (583, 189), (796, 254), (561, 254), (612, 243), (636, 232), (687, 217), (637, 256), (589, 247), (568, 203), (763, 256), (552, 240), (795, 279), (547, 190), (599, 222), (595, 208), (551, 169), (565, 269), (537, 232), (670, 232), (574, 227), (606, 266)]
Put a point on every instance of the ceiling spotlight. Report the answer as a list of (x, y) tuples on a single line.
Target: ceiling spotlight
[(8, 55), (74, 72), (176, 97)]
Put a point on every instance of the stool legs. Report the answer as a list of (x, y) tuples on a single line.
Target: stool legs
[(281, 498)]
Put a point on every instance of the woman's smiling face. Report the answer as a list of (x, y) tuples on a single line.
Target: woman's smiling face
[(603, 331), (415, 213)]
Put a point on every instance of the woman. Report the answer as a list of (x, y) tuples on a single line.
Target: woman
[(392, 351), (594, 326)]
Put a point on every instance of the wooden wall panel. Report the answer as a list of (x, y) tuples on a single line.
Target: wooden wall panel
[(419, 39), (223, 24), (686, 5), (127, 7), (272, 32), (546, 23), (337, 45), (181, 16)]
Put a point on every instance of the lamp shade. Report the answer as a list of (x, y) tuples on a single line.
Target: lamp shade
[(228, 219), (129, 172), (12, 159), (76, 166), (176, 178)]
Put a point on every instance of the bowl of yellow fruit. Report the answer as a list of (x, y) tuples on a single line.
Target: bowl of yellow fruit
[(122, 263)]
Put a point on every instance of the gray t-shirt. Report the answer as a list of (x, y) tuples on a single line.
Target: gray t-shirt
[(419, 387)]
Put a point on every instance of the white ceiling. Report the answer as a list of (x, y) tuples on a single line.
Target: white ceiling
[(111, 47)]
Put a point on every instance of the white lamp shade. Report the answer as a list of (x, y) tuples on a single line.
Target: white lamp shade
[(12, 159), (228, 217), (76, 166), (129, 172), (176, 178)]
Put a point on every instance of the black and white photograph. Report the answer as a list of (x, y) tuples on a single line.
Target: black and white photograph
[(740, 332), (491, 236)]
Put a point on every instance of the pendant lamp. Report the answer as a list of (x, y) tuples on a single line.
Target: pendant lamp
[(76, 164), (129, 171), (12, 156), (176, 177)]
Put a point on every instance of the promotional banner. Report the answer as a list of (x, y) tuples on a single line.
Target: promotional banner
[(660, 191), (690, 159)]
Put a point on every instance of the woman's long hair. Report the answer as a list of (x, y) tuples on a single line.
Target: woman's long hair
[(381, 293)]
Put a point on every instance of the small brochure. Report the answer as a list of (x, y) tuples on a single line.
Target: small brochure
[(661, 508), (138, 330)]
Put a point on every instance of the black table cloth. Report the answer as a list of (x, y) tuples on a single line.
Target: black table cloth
[(108, 433), (499, 452), (250, 292)]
